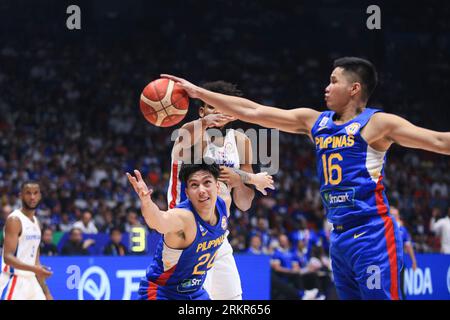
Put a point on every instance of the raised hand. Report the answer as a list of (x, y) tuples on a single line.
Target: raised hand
[(217, 120), (139, 185), (191, 89), (261, 181)]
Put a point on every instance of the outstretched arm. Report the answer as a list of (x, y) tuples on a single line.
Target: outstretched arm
[(395, 129), (161, 221), (300, 120)]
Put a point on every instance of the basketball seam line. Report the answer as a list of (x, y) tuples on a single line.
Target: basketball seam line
[(159, 99)]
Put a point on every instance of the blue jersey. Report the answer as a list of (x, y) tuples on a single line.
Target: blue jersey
[(404, 234), (350, 171), (180, 273)]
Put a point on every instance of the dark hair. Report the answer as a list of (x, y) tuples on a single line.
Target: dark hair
[(223, 87), (363, 70), (207, 164), (74, 229), (29, 182), (114, 229)]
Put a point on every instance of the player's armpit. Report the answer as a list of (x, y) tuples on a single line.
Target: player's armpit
[(404, 133)]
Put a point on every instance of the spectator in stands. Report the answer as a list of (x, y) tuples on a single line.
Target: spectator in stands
[(132, 221), (407, 245), (47, 247), (262, 230), (75, 246), (286, 278), (255, 245), (441, 228), (86, 224), (65, 224), (108, 223), (115, 247)]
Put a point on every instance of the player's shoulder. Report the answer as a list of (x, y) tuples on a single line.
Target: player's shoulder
[(13, 221), (14, 215), (183, 213), (384, 119)]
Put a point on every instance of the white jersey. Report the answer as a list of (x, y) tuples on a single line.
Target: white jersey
[(226, 155), (27, 245)]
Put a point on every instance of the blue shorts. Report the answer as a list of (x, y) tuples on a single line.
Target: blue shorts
[(150, 291), (367, 259)]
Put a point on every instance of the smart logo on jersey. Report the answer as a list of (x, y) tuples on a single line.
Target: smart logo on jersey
[(353, 128), (339, 198), (189, 285)]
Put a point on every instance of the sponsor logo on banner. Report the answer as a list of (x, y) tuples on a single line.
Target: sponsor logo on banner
[(98, 290), (418, 282)]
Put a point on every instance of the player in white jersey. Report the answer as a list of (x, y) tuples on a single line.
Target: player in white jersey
[(22, 276), (232, 150)]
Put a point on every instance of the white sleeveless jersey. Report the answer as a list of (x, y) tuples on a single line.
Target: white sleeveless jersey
[(226, 155), (27, 246)]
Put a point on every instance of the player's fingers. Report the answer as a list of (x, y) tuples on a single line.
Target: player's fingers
[(229, 118), (132, 180), (171, 77), (138, 175)]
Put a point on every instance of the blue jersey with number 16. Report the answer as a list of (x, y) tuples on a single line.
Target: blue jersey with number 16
[(350, 171)]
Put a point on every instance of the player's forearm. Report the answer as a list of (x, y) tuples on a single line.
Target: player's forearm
[(243, 196), (154, 217), (443, 143), (14, 262), (43, 285), (238, 107)]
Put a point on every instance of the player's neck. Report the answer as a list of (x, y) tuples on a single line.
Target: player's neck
[(208, 215), (28, 212), (349, 112)]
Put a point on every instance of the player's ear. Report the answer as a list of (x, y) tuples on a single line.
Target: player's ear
[(201, 111), (356, 87)]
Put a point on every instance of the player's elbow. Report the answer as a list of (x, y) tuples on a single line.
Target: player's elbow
[(9, 258), (441, 143)]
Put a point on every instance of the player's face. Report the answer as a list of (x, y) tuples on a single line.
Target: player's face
[(207, 109), (31, 196), (338, 92), (202, 190)]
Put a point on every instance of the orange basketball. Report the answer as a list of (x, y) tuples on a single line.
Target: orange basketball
[(164, 103)]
